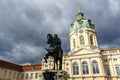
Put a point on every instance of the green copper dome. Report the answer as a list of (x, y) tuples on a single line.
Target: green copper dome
[(81, 22)]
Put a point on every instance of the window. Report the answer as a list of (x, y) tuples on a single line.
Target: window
[(117, 70), (26, 75), (36, 75), (10, 74), (31, 75), (74, 42), (5, 73), (91, 40), (114, 59), (67, 64), (46, 66), (85, 67), (14, 75), (95, 67), (107, 70), (18, 75), (82, 40), (105, 60), (75, 68), (22, 76)]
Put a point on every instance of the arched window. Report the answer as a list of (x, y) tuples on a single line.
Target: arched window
[(36, 75), (117, 69), (4, 75), (95, 67), (22, 76), (85, 67), (75, 68), (31, 76), (91, 40), (74, 43), (26, 75), (107, 70), (82, 40)]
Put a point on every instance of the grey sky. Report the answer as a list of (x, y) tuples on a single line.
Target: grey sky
[(24, 25)]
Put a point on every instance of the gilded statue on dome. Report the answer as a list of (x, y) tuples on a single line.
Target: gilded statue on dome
[(81, 21)]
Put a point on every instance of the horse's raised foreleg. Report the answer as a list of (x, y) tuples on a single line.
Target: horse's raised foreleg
[(46, 57)]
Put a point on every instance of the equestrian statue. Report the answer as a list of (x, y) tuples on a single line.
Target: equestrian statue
[(54, 50)]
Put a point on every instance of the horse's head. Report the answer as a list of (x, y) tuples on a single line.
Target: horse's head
[(49, 38), (55, 36)]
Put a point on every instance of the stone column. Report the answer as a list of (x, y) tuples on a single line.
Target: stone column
[(70, 68), (80, 68), (111, 67), (90, 67), (101, 67), (86, 38)]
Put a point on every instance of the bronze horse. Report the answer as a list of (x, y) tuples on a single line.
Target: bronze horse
[(54, 50)]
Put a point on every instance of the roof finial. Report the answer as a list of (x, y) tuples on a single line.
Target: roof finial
[(79, 9)]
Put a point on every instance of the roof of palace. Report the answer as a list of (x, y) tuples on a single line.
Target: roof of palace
[(12, 66), (115, 50), (31, 67)]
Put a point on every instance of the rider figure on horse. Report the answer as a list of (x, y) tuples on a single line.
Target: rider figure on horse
[(60, 52), (58, 45), (54, 50)]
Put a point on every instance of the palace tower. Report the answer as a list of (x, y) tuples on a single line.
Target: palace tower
[(82, 34)]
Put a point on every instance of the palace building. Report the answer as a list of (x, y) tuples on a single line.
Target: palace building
[(85, 61), (10, 71)]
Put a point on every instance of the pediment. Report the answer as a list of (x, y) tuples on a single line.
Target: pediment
[(83, 51)]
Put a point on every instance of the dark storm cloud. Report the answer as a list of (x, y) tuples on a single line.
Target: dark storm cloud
[(24, 25)]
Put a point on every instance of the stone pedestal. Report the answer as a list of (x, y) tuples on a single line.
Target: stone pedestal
[(54, 75)]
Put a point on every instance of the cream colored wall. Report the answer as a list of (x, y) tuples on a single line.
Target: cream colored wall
[(10, 76), (89, 56), (111, 63), (1, 71), (29, 75), (89, 61), (86, 34), (115, 63)]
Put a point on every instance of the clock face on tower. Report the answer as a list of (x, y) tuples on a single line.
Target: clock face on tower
[(80, 31)]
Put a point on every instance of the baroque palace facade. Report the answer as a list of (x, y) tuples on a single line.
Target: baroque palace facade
[(85, 61)]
